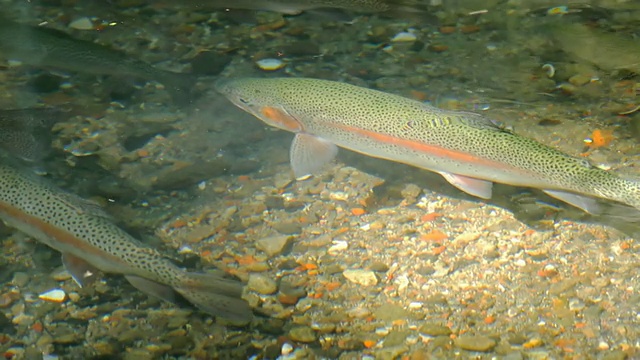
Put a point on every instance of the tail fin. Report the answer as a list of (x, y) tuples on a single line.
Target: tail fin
[(215, 295)]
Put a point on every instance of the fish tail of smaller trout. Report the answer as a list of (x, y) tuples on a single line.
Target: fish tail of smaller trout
[(214, 294)]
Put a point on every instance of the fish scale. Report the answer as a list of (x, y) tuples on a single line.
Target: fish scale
[(89, 240), (468, 149)]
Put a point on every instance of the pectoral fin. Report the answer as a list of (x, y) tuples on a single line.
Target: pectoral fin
[(309, 154), (472, 186), (81, 271), (582, 202)]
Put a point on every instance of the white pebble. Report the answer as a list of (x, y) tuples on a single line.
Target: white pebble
[(286, 349), (270, 64), (55, 295), (338, 246), (415, 305), (404, 36), (361, 277), (83, 23)]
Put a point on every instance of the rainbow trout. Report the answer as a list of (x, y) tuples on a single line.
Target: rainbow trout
[(89, 241), (293, 7), (469, 150), (50, 48)]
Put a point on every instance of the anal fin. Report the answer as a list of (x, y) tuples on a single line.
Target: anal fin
[(472, 186), (582, 202), (152, 288), (81, 271), (309, 154)]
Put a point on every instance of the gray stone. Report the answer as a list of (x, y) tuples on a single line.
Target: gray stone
[(262, 284), (273, 245)]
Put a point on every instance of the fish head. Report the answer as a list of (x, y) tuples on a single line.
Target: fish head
[(260, 98)]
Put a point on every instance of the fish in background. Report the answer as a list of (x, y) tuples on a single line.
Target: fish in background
[(469, 150), (90, 242), (49, 48), (26, 133), (294, 7)]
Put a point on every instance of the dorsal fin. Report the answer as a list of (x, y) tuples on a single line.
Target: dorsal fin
[(478, 121)]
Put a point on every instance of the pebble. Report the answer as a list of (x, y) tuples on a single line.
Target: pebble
[(262, 284), (391, 352), (288, 227), (272, 245), (54, 295), (20, 279), (83, 23), (404, 36), (361, 277), (303, 334), (475, 343), (270, 64), (432, 329), (391, 312)]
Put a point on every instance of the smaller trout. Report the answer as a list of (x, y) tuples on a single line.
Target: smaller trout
[(50, 48), (90, 241)]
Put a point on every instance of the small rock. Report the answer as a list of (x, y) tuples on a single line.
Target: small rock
[(362, 277), (270, 64), (20, 279), (435, 330), (302, 334), (83, 23), (379, 266), (54, 295), (288, 228), (475, 343), (272, 245), (391, 352), (262, 284), (391, 312)]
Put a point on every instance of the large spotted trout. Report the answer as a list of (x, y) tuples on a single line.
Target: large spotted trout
[(469, 150), (90, 241)]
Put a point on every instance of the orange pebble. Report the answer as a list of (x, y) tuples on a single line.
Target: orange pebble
[(358, 211), (369, 344), (419, 95), (179, 224), (143, 153), (468, 29), (438, 47), (435, 235), (37, 327), (430, 217), (308, 266), (332, 286), (447, 29), (246, 260), (600, 138), (439, 250)]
